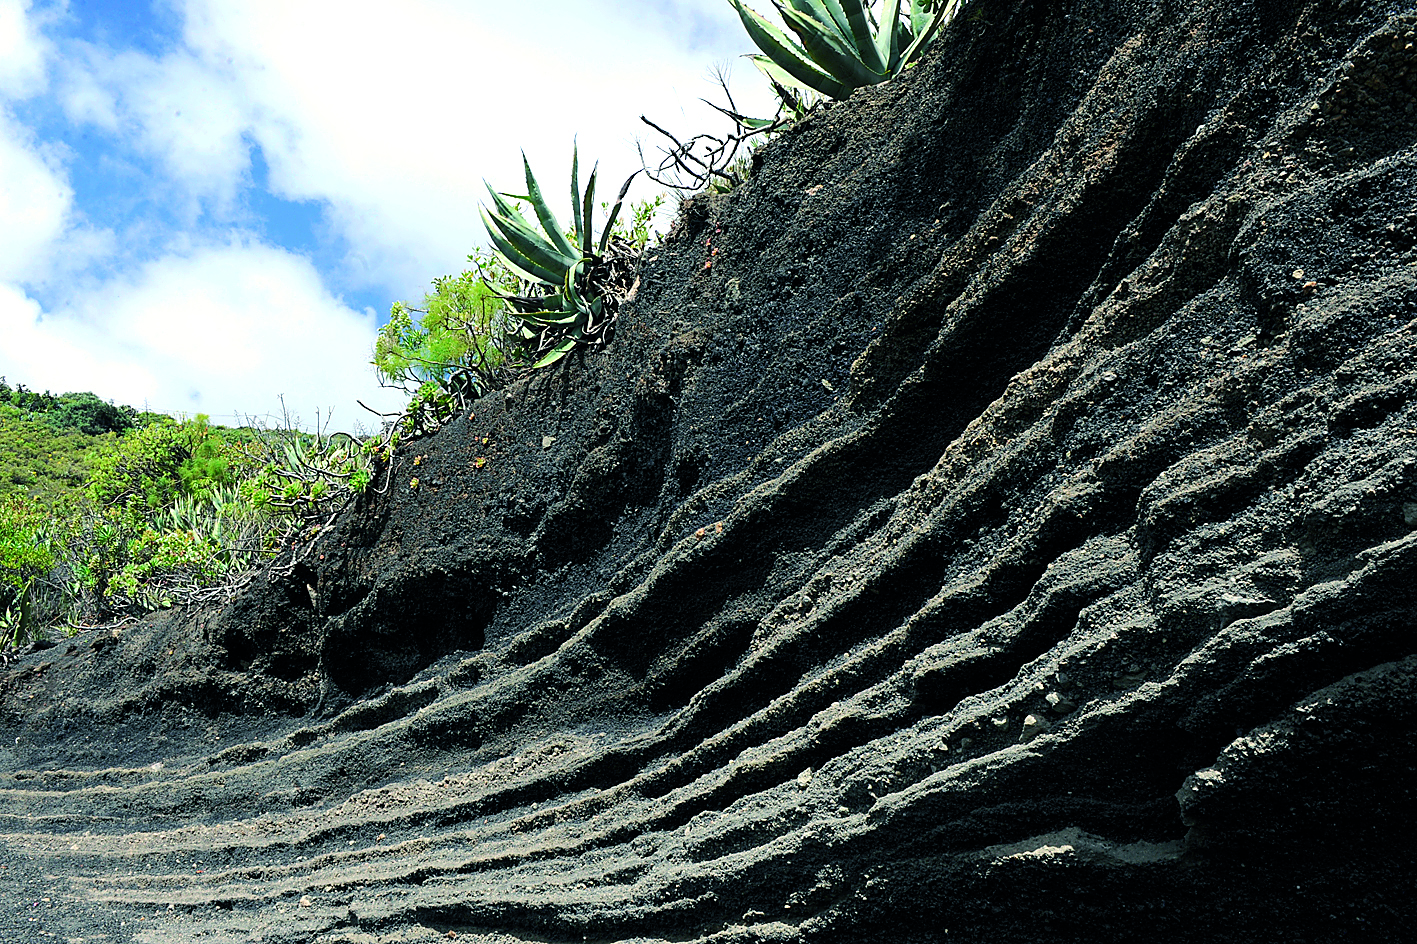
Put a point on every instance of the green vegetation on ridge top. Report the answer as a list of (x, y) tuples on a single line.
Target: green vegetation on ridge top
[(100, 525), (842, 46)]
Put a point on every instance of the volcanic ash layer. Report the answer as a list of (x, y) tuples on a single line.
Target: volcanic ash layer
[(993, 521)]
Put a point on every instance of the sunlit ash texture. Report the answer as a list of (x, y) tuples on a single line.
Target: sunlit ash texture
[(992, 522)]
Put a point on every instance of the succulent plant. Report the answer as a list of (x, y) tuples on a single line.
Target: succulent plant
[(549, 256), (842, 44), (554, 260)]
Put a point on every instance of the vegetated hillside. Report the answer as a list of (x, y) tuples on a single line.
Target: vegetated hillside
[(44, 439), (995, 521), (40, 462)]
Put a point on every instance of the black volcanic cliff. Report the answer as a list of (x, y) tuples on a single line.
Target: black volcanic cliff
[(995, 521)]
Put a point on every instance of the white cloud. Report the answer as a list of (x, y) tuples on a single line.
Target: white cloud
[(35, 198), (22, 51), (192, 116), (391, 115), (44, 354), (223, 330), (34, 205)]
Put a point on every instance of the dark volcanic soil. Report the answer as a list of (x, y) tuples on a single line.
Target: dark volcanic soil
[(994, 522)]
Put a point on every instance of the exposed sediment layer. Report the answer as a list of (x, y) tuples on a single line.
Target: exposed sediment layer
[(993, 521)]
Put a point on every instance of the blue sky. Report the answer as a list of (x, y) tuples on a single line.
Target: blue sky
[(207, 204)]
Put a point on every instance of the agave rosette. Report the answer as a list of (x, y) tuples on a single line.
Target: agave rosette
[(841, 46), (549, 257)]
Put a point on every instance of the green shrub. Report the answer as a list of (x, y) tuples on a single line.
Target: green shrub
[(638, 231), (458, 348), (474, 333), (25, 556), (112, 541), (39, 462), (94, 527), (161, 565), (147, 469), (90, 415), (303, 478)]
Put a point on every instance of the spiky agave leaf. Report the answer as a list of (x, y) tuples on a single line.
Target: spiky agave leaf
[(889, 37), (614, 213), (548, 220), (835, 52), (552, 259), (842, 47), (919, 15), (585, 226), (752, 124), (576, 194), (522, 246), (944, 13), (860, 33), (828, 12), (560, 350), (785, 61)]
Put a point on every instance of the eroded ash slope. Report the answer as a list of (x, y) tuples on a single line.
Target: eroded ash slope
[(995, 520)]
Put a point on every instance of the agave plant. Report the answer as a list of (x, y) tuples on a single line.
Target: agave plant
[(567, 313), (843, 46)]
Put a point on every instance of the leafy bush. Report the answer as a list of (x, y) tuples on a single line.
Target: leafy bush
[(169, 513), (305, 477), (90, 415), (160, 564), (843, 46), (638, 231), (457, 350), (129, 547), (39, 462), (147, 469), (25, 556), (84, 412)]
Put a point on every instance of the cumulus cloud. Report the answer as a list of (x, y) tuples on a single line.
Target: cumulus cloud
[(224, 330), (22, 51), (34, 205), (35, 197), (391, 116), (187, 114), (53, 354)]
